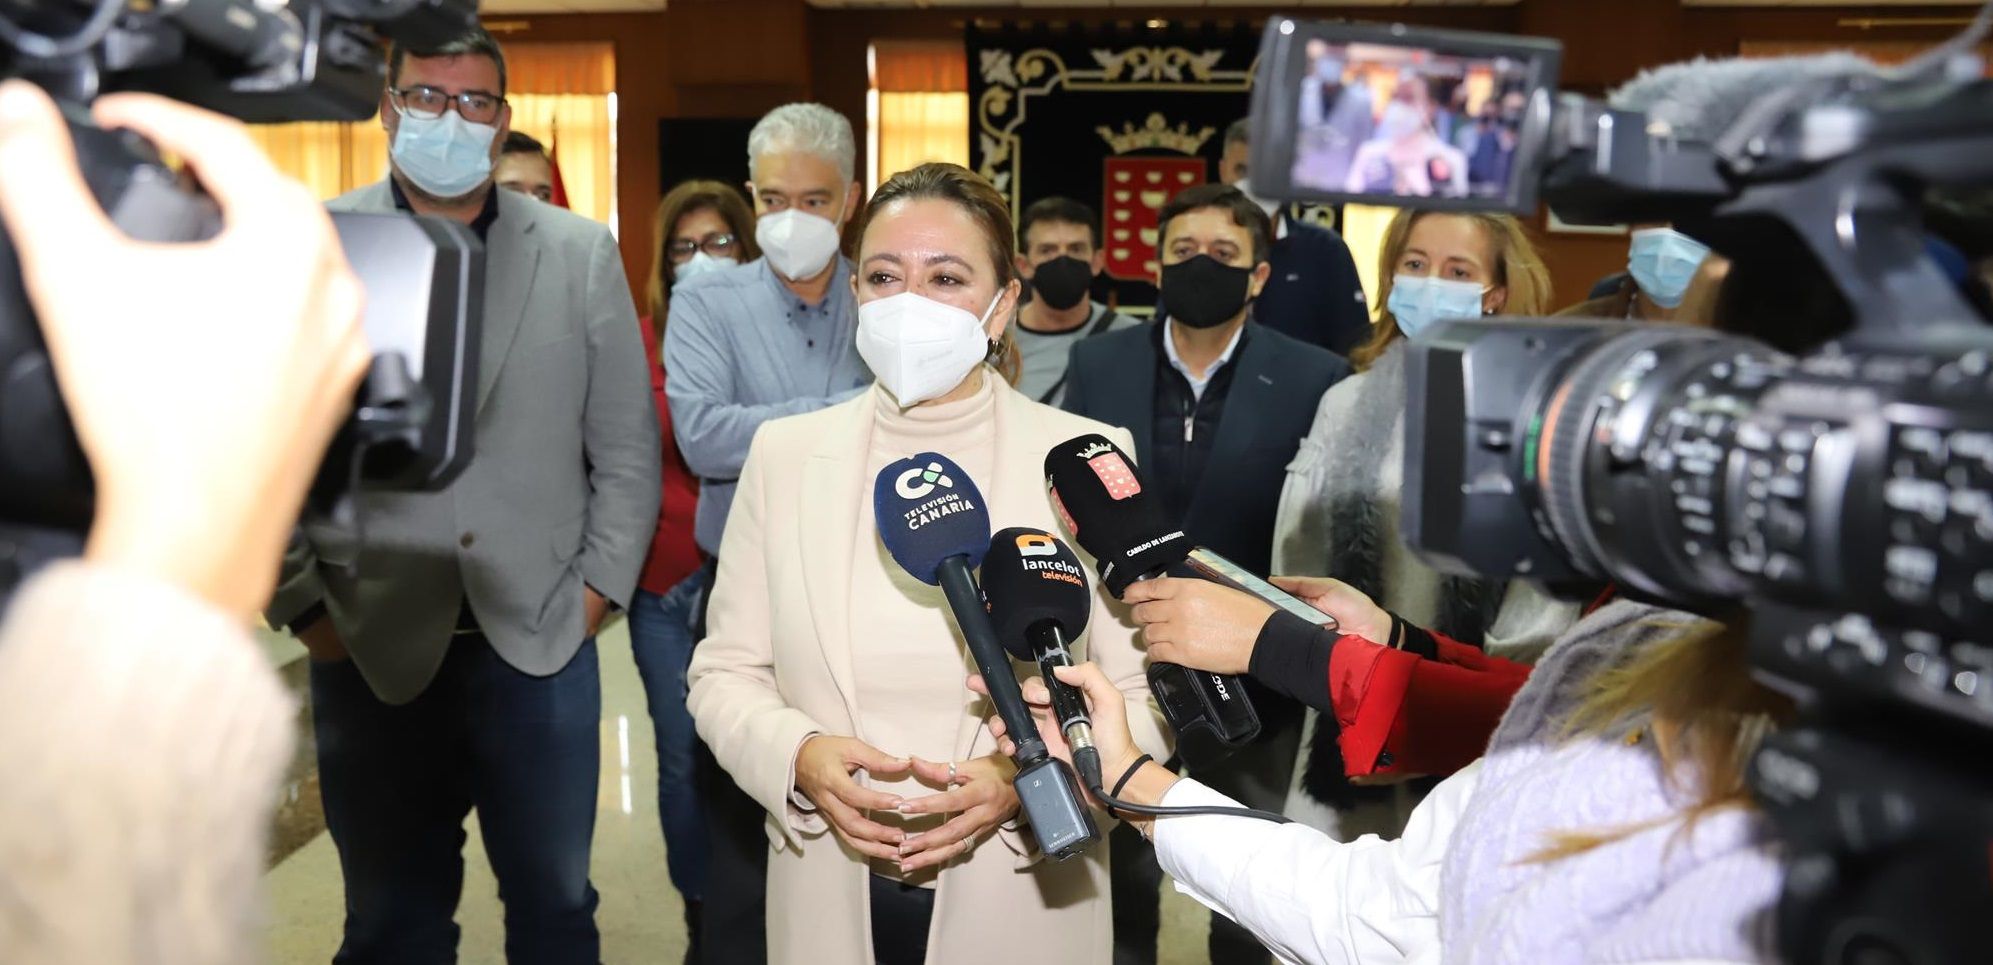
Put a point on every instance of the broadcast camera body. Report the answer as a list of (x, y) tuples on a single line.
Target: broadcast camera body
[(1843, 497), (308, 60)]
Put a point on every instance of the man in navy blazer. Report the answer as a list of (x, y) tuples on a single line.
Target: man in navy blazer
[(1217, 404)]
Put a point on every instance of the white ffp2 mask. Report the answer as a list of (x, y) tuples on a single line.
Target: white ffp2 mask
[(797, 244), (920, 348)]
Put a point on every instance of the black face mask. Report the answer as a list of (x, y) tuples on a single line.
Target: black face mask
[(1204, 292), (1062, 282)]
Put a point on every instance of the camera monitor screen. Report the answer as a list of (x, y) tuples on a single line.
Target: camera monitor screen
[(1395, 115)]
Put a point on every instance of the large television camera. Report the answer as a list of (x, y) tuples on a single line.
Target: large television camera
[(259, 61), (1841, 490)]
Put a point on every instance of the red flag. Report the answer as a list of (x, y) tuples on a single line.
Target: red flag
[(554, 165)]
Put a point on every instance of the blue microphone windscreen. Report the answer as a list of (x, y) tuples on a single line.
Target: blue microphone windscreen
[(928, 510)]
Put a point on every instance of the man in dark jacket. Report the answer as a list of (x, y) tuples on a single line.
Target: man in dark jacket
[(1313, 292), (1217, 404)]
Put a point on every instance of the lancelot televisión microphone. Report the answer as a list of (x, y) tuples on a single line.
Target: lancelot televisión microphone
[(1039, 599), (936, 526), (1102, 500)]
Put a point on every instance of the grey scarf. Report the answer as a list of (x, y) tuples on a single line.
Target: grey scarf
[(1356, 443)]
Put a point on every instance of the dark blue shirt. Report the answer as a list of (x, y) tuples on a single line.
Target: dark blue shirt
[(1313, 293), (480, 225)]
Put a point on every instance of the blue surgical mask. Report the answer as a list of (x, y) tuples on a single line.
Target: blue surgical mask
[(447, 157), (1418, 302), (1663, 261)]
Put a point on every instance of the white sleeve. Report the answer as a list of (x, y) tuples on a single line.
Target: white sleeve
[(1310, 898)]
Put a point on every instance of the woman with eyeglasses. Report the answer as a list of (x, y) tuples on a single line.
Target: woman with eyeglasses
[(701, 227)]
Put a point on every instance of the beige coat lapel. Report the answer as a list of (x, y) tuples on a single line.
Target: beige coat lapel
[(832, 479)]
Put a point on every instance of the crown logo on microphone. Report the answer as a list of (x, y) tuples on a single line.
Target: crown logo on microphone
[(915, 483)]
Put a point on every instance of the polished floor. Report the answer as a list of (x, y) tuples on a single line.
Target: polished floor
[(640, 915)]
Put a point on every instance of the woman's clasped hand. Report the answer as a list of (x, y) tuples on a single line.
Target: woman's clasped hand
[(975, 794)]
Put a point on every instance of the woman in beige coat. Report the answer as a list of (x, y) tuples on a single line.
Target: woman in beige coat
[(830, 682)]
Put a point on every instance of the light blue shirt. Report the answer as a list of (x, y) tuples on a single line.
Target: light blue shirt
[(740, 349), (1197, 384)]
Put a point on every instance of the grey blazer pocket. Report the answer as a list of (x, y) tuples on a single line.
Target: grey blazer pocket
[(567, 538), (534, 341)]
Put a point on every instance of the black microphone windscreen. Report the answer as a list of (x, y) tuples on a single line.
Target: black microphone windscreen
[(1107, 508), (1028, 576), (929, 510)]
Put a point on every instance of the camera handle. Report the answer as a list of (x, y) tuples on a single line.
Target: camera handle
[(1859, 212)]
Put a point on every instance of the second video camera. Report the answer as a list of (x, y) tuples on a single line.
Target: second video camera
[(1841, 492)]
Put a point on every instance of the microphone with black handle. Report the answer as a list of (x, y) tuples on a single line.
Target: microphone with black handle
[(1040, 601), (937, 527), (1101, 498), (1038, 597)]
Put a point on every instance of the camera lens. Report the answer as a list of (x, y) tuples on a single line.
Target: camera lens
[(1635, 457)]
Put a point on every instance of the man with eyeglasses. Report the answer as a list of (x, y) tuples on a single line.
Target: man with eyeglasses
[(745, 344), (453, 657)]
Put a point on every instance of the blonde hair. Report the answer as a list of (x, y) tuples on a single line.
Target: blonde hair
[(952, 182), (1694, 697), (1517, 268)]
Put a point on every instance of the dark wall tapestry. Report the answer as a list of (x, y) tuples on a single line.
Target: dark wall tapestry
[(1119, 119)]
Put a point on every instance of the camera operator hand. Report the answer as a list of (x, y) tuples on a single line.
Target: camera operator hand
[(204, 380)]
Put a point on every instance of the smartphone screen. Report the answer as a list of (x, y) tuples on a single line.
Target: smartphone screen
[(1220, 570)]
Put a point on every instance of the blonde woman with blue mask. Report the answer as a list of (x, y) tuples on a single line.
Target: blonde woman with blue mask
[(830, 682), (1339, 509)]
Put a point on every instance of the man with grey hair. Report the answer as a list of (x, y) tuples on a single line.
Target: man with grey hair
[(744, 344), (453, 662)]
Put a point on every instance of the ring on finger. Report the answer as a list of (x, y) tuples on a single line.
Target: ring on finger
[(951, 772)]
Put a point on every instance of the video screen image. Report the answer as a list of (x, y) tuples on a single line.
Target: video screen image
[(1408, 121)]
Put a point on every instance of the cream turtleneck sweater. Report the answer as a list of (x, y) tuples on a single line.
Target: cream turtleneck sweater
[(907, 655)]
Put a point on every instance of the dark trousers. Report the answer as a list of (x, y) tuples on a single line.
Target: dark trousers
[(1256, 776), (398, 782), (733, 926), (901, 915), (733, 920)]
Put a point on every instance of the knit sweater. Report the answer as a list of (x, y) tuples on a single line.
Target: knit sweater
[(1666, 892), (142, 735), (1464, 885)]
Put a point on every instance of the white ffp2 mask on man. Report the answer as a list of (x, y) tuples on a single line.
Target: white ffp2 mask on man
[(797, 244)]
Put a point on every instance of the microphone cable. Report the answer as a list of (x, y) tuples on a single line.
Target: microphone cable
[(1115, 804)]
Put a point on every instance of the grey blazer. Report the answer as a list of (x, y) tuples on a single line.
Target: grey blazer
[(563, 486)]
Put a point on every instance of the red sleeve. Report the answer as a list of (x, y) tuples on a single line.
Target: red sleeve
[(1454, 653), (1429, 716)]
